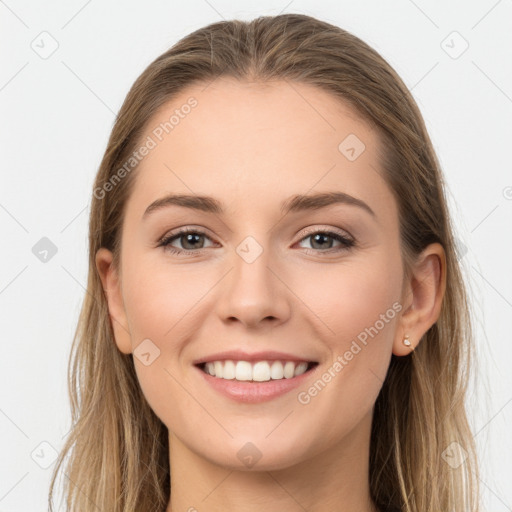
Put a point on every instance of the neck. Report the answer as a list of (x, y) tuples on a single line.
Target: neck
[(335, 480)]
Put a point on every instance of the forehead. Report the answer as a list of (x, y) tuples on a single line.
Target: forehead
[(259, 142)]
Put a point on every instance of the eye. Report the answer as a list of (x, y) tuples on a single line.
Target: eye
[(191, 240), (323, 241)]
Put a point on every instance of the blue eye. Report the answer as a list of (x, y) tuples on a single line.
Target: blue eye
[(319, 238), (192, 241), (188, 238)]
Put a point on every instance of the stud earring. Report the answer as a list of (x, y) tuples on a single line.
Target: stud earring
[(406, 341)]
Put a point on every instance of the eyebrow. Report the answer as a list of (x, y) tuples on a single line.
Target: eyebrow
[(295, 203)]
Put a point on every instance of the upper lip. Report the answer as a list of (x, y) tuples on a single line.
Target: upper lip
[(240, 355)]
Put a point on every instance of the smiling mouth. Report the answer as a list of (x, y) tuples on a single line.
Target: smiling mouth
[(260, 371)]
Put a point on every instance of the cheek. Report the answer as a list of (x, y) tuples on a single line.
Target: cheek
[(352, 298), (159, 297), (159, 302), (359, 304), (162, 305)]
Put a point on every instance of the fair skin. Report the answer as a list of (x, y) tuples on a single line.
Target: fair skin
[(251, 147)]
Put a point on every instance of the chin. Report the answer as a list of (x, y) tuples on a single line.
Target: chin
[(253, 454)]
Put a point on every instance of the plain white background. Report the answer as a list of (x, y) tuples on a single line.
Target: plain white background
[(57, 112)]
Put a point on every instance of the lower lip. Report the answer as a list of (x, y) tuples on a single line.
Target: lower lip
[(255, 392)]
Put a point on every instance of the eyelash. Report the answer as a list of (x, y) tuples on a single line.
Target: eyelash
[(347, 243)]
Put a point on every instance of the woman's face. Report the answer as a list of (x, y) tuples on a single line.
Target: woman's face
[(254, 277)]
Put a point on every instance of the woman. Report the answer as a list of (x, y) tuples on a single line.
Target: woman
[(275, 316)]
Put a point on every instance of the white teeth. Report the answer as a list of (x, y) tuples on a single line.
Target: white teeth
[(210, 368), (229, 370), (300, 369), (243, 371), (276, 370), (217, 366), (260, 371), (289, 368)]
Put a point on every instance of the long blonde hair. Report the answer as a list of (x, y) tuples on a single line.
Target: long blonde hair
[(116, 455)]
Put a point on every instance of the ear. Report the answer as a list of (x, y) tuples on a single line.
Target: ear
[(423, 297), (112, 286)]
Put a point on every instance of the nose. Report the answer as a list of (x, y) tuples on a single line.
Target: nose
[(254, 294)]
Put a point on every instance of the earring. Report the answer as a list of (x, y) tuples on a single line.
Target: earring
[(406, 341)]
